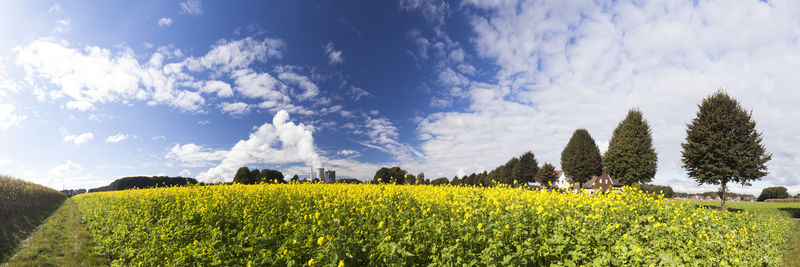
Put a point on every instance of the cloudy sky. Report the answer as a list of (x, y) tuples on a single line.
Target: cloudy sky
[(91, 91)]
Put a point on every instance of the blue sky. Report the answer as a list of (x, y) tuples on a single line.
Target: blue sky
[(92, 91)]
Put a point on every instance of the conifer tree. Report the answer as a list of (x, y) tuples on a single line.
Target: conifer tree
[(722, 145), (581, 158), (526, 168), (630, 157), (546, 175)]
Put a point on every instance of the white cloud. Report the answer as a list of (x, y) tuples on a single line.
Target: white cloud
[(54, 8), (165, 22), (8, 117), (567, 65), (67, 167), (160, 137), (204, 122), (61, 25), (222, 89), (309, 88), (238, 108), (259, 85), (192, 7), (226, 56), (384, 136), (194, 156), (94, 75), (4, 162), (117, 138), (79, 139), (359, 93), (185, 173), (281, 141), (334, 56), (347, 152)]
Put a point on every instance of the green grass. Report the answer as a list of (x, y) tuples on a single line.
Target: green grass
[(60, 241), (23, 206), (791, 210)]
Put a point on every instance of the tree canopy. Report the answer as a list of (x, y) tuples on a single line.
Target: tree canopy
[(773, 192), (723, 146), (630, 157), (581, 158), (547, 175), (394, 175)]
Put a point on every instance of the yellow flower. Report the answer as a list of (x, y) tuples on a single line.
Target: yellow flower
[(341, 264), (311, 262), (321, 240), (388, 238)]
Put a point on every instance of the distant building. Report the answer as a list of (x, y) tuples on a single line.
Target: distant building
[(604, 182), (321, 173), (330, 176), (563, 181)]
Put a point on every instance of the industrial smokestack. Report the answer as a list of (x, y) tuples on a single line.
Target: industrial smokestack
[(321, 174)]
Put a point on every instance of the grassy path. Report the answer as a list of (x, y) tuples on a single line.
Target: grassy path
[(60, 241)]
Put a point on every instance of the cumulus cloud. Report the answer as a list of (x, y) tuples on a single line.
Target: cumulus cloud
[(222, 89), (117, 138), (567, 65), (165, 22), (347, 152), (281, 141), (226, 56), (238, 108), (79, 139), (192, 7), (8, 117), (93, 75), (67, 167), (192, 155), (185, 173), (334, 56)]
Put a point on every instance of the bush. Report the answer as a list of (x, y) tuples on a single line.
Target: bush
[(773, 192)]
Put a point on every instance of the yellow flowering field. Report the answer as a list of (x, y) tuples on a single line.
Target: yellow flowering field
[(358, 225)]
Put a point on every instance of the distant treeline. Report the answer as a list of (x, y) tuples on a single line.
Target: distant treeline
[(144, 182), (73, 192)]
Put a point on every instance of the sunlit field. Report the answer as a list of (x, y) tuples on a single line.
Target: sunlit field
[(356, 225)]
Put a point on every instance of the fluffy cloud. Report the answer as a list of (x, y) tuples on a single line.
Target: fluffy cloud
[(67, 167), (94, 75), (226, 56), (310, 89), (281, 141), (192, 155), (79, 139), (8, 117), (185, 173), (164, 22), (192, 7), (567, 65), (117, 138), (222, 89), (347, 152), (334, 56), (238, 108), (61, 25)]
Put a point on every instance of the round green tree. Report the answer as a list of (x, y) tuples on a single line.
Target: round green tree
[(581, 158), (630, 157), (546, 175), (722, 145)]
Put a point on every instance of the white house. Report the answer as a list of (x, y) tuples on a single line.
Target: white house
[(563, 181)]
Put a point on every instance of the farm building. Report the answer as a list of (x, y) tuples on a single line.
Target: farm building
[(604, 182)]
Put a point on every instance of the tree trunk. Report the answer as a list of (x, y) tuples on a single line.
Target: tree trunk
[(722, 195)]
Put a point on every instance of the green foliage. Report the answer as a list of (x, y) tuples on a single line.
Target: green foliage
[(665, 191), (547, 175), (440, 181), (295, 178), (581, 158), (630, 157), (526, 168), (393, 175), (140, 182), (722, 145), (270, 176), (243, 176), (773, 192)]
